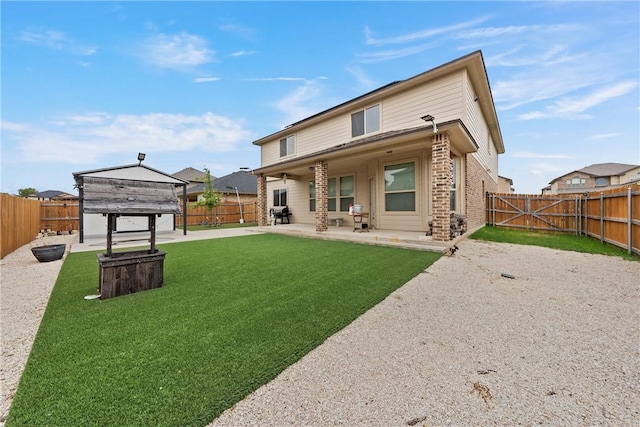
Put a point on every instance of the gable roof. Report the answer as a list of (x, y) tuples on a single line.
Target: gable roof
[(608, 169), (473, 63), (190, 174), (246, 182), (136, 171), (601, 170), (51, 194)]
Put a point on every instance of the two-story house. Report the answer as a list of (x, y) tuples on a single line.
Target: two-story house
[(410, 152), (596, 177)]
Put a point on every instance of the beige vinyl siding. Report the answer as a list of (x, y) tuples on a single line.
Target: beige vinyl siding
[(629, 176), (475, 122), (441, 98)]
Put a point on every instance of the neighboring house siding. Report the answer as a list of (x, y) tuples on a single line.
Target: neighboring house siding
[(632, 175), (594, 178)]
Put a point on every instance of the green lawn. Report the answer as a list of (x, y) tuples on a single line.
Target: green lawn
[(231, 315), (563, 241)]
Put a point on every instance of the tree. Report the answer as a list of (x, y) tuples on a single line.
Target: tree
[(210, 197), (26, 192)]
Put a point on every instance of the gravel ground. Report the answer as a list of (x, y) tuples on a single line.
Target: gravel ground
[(460, 344), (25, 286)]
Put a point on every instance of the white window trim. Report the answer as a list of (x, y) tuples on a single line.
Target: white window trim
[(364, 114)]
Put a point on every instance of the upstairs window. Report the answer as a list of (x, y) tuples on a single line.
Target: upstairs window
[(576, 182), (602, 182), (365, 121), (288, 146)]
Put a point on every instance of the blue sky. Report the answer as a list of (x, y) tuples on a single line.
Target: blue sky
[(87, 85)]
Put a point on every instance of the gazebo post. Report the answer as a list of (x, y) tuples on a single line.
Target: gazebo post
[(152, 227), (110, 227)]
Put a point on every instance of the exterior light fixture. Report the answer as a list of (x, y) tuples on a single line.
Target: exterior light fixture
[(141, 157), (430, 118)]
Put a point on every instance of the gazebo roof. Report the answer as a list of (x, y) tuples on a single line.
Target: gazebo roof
[(128, 197)]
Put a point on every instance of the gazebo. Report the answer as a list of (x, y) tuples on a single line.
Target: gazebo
[(131, 271)]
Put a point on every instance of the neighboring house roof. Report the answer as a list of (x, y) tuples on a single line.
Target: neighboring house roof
[(191, 174), (473, 62), (601, 170), (509, 180), (55, 194), (246, 182)]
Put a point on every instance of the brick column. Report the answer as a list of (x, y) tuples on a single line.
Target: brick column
[(263, 215), (440, 186), (322, 196)]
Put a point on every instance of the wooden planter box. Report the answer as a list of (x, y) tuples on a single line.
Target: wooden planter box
[(124, 273)]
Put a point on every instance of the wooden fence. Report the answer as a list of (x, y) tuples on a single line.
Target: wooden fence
[(19, 222), (226, 213), (22, 219), (612, 216), (59, 216)]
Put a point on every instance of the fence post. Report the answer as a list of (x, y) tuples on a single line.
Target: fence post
[(629, 209), (601, 217), (493, 209), (576, 210), (527, 206)]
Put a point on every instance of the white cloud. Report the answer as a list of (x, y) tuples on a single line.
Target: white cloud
[(386, 55), (300, 103), (177, 51), (420, 35), (243, 53), (575, 107), (97, 134), (542, 169), (13, 127), (363, 79), (242, 30), (604, 136), (275, 79), (206, 79), (56, 40)]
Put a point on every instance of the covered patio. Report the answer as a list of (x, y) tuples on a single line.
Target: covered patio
[(406, 239)]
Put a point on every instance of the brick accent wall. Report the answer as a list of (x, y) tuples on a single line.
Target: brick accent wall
[(440, 186), (263, 215), (478, 182), (322, 196)]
